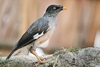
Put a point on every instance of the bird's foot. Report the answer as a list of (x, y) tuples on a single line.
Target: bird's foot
[(39, 62), (42, 62), (41, 58)]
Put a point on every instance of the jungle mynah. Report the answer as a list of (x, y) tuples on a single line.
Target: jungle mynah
[(40, 31)]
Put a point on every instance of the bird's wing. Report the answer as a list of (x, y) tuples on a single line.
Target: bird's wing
[(36, 30)]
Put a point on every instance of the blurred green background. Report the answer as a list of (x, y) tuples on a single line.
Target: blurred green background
[(77, 27)]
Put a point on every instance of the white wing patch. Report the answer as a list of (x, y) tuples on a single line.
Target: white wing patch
[(36, 36)]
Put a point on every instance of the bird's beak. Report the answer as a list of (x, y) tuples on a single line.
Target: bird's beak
[(64, 8)]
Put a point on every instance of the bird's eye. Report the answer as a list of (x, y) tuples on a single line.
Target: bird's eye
[(54, 8)]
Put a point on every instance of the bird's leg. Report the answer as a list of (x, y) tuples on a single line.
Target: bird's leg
[(39, 58)]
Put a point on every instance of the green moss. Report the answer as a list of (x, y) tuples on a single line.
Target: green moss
[(63, 50), (3, 62), (51, 63), (8, 63), (72, 49), (57, 52)]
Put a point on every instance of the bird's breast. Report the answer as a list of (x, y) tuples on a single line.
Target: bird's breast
[(52, 21), (45, 36)]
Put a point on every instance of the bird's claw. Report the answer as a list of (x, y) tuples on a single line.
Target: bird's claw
[(42, 62), (41, 58), (39, 62)]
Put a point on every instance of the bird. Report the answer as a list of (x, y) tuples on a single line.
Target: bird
[(39, 31)]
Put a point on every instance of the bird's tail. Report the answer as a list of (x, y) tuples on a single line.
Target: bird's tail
[(10, 54), (14, 49)]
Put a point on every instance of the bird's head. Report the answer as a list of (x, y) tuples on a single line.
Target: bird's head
[(55, 9)]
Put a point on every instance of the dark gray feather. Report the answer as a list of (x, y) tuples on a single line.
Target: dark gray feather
[(39, 26)]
